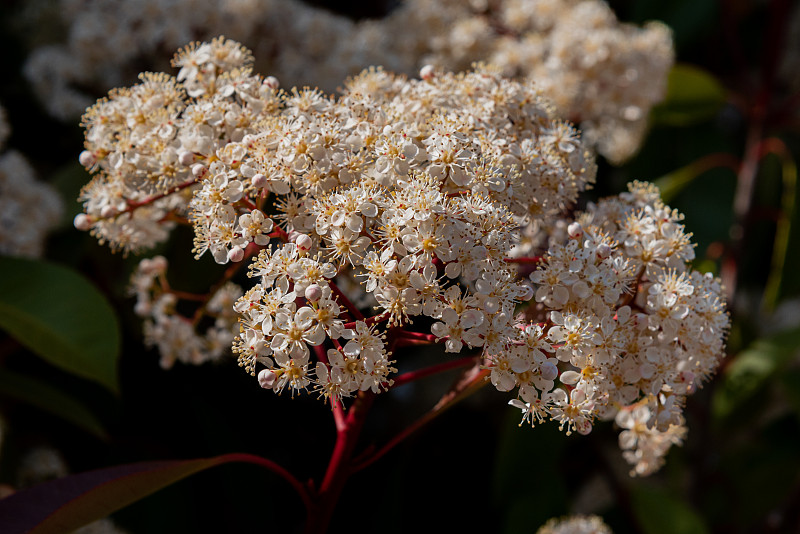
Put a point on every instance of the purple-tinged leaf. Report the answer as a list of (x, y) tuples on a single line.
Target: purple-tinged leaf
[(68, 503)]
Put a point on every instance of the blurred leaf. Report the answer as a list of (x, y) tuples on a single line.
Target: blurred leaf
[(49, 399), (790, 382), (60, 316), (526, 454), (658, 512), (693, 96), (783, 230), (673, 183), (751, 369), (67, 503)]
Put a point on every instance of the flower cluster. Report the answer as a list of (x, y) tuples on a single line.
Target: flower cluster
[(412, 194), (29, 209), (177, 337), (634, 328), (576, 524), (599, 72)]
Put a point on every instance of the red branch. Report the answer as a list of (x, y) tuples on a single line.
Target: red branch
[(411, 376), (275, 468), (346, 301), (138, 204), (381, 317)]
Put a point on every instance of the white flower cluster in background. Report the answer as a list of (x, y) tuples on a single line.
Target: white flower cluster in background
[(599, 72), (29, 209), (576, 524), (418, 189), (177, 337)]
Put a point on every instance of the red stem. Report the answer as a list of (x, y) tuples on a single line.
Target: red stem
[(381, 317), (135, 205), (346, 301), (340, 466), (419, 423), (405, 334), (275, 468), (411, 376)]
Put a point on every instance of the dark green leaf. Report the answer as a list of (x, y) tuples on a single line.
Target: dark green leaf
[(49, 399), (658, 512), (526, 454), (60, 316), (751, 369), (693, 96)]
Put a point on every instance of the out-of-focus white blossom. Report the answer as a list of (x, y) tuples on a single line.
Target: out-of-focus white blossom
[(29, 209), (576, 524), (599, 72)]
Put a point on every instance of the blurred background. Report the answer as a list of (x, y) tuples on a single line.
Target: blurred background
[(722, 147)]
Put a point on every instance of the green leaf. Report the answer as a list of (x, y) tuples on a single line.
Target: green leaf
[(524, 454), (50, 399), (676, 181), (693, 96), (658, 512), (751, 369), (65, 504), (59, 315)]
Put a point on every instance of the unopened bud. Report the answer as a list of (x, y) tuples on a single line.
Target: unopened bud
[(87, 159), (186, 158), (236, 254), (82, 222), (272, 82), (199, 170), (266, 378), (603, 251), (259, 181), (313, 293), (427, 72), (575, 230), (303, 242)]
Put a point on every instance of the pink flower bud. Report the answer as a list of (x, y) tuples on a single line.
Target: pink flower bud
[(303, 242), (575, 230), (313, 293), (186, 158), (266, 378), (259, 181), (199, 170), (272, 82), (236, 254), (107, 211), (82, 222), (87, 159), (427, 72), (603, 251)]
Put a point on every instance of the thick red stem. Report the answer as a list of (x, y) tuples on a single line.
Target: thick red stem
[(340, 466)]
